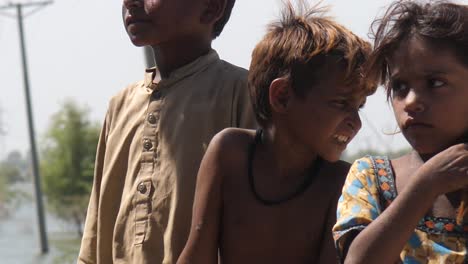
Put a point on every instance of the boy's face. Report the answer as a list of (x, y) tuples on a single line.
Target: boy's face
[(326, 119), (155, 22)]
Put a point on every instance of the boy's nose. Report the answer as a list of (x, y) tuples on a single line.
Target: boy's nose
[(354, 122), (129, 4)]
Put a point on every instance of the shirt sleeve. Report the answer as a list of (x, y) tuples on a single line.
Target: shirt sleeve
[(88, 249), (242, 112), (358, 205)]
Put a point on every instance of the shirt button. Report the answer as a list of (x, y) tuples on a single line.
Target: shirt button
[(142, 188), (152, 119), (147, 144)]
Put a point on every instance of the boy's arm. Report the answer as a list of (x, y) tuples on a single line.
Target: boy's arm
[(202, 244), (88, 249)]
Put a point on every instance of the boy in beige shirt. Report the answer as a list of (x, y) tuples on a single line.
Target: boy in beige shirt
[(156, 131)]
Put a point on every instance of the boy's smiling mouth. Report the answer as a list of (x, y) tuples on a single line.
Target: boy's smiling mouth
[(341, 138)]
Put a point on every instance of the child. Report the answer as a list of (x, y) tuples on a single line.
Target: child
[(269, 196), (157, 130), (405, 209)]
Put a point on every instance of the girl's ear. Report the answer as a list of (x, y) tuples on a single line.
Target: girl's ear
[(280, 95), (213, 11)]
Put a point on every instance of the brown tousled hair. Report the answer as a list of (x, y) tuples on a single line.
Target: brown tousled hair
[(297, 47)]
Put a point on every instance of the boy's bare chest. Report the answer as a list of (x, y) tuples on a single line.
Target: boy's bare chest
[(290, 231)]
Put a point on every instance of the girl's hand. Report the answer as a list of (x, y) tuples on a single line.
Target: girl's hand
[(447, 171)]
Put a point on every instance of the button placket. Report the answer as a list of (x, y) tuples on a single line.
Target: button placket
[(142, 201), (152, 118), (144, 188), (147, 144)]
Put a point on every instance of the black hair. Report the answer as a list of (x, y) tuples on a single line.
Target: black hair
[(219, 25)]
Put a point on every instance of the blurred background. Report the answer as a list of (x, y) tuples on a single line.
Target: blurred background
[(78, 56)]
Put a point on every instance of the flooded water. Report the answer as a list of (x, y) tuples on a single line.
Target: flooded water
[(19, 239)]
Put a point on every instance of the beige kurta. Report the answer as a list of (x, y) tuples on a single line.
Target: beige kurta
[(151, 145)]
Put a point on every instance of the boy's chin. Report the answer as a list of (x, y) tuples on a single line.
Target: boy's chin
[(331, 156), (138, 42)]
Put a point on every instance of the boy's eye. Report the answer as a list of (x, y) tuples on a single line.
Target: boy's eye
[(341, 103), (436, 83)]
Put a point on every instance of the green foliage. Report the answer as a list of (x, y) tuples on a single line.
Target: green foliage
[(6, 196), (9, 172), (12, 170), (67, 165)]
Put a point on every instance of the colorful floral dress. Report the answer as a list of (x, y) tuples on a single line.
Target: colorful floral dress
[(368, 190)]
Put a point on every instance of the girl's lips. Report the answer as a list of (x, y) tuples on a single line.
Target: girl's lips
[(414, 123)]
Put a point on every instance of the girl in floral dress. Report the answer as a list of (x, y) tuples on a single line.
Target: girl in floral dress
[(405, 210)]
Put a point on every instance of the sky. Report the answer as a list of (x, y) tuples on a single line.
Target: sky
[(78, 49)]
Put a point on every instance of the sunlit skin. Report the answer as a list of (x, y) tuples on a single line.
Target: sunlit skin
[(297, 231), (429, 92)]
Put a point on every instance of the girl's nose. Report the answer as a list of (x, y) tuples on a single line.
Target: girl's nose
[(414, 102)]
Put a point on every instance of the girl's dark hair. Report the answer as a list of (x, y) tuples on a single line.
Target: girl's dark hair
[(444, 24)]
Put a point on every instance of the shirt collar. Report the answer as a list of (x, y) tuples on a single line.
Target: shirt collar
[(152, 76)]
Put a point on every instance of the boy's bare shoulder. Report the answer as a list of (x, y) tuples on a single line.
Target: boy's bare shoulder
[(232, 143), (227, 152)]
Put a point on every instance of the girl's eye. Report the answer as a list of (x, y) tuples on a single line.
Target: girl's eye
[(398, 86), (436, 83)]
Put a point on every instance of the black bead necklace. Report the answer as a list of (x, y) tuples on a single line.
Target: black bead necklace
[(314, 170)]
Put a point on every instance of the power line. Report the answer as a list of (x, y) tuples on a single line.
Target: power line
[(19, 7)]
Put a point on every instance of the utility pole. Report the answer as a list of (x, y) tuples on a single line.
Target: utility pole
[(35, 161)]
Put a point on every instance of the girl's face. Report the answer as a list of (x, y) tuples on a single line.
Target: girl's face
[(429, 95)]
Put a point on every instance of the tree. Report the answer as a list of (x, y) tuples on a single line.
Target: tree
[(67, 165), (6, 196), (12, 171), (9, 172)]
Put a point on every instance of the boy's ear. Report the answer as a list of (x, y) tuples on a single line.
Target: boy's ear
[(213, 11), (280, 94)]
